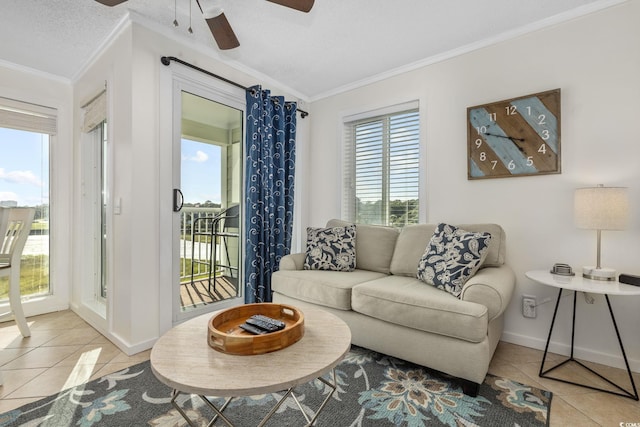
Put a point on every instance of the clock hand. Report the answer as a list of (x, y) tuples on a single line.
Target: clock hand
[(506, 137)]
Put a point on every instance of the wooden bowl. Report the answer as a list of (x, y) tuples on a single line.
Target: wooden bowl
[(225, 334)]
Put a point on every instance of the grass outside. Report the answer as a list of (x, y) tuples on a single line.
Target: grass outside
[(38, 225), (201, 271), (34, 276), (199, 238)]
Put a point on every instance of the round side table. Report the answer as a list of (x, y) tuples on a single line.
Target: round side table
[(580, 284)]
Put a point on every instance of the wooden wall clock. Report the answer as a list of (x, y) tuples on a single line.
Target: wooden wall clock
[(514, 137)]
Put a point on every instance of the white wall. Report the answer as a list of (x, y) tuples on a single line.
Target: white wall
[(139, 124), (595, 60), (111, 68)]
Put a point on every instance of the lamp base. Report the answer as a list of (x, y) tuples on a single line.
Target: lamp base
[(604, 274)]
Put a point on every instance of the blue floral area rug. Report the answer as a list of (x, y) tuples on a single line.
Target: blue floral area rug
[(372, 390)]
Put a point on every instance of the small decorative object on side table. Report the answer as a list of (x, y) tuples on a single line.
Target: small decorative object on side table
[(580, 284)]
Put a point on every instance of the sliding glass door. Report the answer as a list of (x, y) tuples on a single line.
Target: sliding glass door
[(207, 198)]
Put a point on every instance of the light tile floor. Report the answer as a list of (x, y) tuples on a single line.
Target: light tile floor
[(64, 351)]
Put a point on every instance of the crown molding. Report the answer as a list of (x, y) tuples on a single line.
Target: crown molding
[(490, 41)]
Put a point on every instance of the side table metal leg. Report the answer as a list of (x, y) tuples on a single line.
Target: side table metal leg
[(546, 347), (633, 395), (573, 324), (543, 373)]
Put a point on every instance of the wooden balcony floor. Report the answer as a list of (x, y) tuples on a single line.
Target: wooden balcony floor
[(199, 293)]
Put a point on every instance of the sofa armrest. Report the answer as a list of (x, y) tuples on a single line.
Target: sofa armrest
[(292, 262), (492, 287)]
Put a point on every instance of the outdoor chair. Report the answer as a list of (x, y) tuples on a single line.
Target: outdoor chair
[(219, 228)]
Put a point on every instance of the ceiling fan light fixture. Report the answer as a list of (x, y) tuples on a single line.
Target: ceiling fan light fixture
[(212, 12)]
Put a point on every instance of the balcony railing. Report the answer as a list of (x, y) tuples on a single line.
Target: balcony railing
[(200, 249), (36, 253)]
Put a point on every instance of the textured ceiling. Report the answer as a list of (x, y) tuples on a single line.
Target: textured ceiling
[(339, 44)]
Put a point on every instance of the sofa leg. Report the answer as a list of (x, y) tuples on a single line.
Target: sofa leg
[(470, 388)]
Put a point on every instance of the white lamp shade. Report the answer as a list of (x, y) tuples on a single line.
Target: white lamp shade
[(601, 208)]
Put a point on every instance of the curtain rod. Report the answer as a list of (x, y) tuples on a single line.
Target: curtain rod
[(166, 60)]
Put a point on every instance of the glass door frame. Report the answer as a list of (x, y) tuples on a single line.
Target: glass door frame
[(179, 80), (60, 165)]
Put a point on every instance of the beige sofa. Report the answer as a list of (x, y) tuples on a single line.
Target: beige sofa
[(390, 311)]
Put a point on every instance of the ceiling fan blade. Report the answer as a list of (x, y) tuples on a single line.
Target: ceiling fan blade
[(222, 32), (301, 5), (111, 2)]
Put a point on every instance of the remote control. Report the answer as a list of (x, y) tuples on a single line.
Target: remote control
[(267, 326), (253, 330), (278, 323)]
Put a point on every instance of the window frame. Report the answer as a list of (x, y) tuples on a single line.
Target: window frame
[(60, 175), (348, 193), (96, 206)]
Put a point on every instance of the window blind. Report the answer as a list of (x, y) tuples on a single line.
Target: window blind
[(95, 112), (29, 117), (381, 169)]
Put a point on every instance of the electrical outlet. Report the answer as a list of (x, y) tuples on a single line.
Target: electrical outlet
[(529, 306)]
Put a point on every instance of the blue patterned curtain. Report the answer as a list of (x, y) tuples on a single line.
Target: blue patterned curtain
[(270, 166)]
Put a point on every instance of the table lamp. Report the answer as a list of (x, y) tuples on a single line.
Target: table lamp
[(601, 208)]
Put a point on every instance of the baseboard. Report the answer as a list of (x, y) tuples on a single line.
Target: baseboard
[(131, 349), (608, 359), (99, 324)]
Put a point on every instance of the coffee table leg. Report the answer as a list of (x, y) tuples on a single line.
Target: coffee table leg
[(218, 412), (289, 392), (333, 387), (175, 393)]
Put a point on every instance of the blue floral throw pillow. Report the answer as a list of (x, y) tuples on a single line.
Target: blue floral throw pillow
[(331, 249), (452, 257)]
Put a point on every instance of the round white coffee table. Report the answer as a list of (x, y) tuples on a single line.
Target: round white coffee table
[(183, 360)]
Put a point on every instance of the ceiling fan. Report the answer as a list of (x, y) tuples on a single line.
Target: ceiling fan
[(220, 26)]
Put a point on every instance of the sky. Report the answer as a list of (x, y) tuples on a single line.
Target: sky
[(200, 172), (24, 167)]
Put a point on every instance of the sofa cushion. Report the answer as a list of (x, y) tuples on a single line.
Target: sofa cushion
[(413, 240), (409, 302), (327, 288), (374, 245), (452, 257), (332, 248)]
